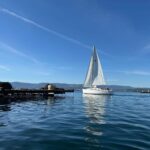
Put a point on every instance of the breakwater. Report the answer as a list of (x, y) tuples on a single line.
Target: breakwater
[(8, 94)]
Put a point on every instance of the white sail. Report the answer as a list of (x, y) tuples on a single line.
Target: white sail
[(94, 75)]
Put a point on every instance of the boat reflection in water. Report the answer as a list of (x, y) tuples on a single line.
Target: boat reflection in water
[(95, 109)]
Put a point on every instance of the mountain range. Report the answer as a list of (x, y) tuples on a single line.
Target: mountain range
[(19, 85)]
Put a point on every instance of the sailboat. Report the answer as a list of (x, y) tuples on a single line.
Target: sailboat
[(94, 82)]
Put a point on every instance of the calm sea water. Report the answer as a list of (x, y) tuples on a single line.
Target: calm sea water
[(118, 122)]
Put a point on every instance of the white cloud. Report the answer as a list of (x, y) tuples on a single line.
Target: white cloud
[(138, 72), (64, 68), (5, 68), (147, 47), (134, 72), (145, 50), (42, 73), (17, 52), (112, 80)]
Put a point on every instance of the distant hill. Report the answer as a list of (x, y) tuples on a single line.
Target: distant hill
[(19, 85), (121, 88), (68, 86)]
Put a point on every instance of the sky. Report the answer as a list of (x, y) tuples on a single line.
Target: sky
[(52, 40)]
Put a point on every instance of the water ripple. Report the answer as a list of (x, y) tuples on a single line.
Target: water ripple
[(85, 122)]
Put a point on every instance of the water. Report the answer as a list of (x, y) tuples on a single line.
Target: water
[(118, 122)]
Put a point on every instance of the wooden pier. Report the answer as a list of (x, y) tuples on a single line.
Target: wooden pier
[(34, 91), (7, 96), (7, 93)]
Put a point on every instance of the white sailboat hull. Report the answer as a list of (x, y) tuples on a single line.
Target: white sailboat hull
[(97, 91)]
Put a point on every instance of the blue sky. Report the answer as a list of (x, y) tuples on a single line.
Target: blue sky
[(51, 40)]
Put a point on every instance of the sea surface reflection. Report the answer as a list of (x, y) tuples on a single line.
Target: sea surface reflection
[(77, 121), (95, 107)]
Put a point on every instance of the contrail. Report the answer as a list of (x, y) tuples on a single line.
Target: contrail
[(5, 68), (6, 11), (17, 52), (43, 27)]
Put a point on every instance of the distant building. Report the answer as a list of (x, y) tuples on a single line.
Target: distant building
[(5, 86), (49, 87)]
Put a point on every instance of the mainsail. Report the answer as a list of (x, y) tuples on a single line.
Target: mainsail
[(94, 75)]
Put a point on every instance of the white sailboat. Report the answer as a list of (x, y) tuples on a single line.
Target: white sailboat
[(95, 78)]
